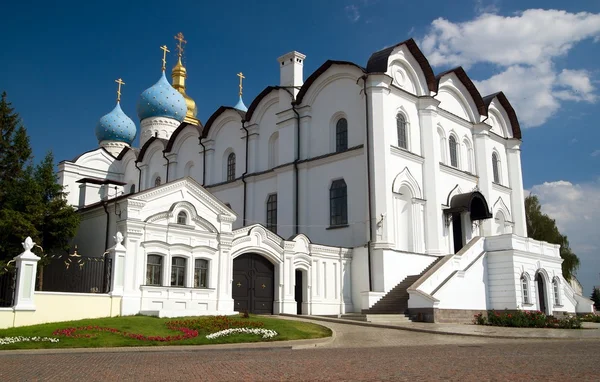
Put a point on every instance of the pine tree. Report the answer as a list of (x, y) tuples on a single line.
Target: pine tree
[(596, 297), (541, 227), (32, 203)]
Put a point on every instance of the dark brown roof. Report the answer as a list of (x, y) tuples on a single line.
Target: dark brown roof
[(378, 62), (257, 100), (100, 181), (317, 73), (466, 81), (217, 113), (140, 156), (473, 202), (512, 116), (177, 131)]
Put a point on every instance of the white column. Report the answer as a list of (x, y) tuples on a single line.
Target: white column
[(483, 164), (134, 269), (117, 255), (517, 196), (430, 148), (26, 264), (211, 171)]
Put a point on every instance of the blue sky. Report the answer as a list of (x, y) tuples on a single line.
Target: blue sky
[(60, 60)]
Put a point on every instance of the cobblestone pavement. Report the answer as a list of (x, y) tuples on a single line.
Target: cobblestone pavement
[(356, 353)]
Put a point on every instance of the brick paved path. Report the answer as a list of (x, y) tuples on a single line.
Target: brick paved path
[(356, 354)]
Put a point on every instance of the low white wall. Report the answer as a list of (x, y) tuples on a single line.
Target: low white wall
[(179, 301), (58, 306), (360, 276)]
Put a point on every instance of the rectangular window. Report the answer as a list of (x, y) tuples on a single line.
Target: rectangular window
[(201, 273), (272, 213), (525, 287), (341, 135), (178, 271), (556, 293), (154, 270)]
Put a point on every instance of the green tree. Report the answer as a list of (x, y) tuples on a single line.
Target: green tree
[(541, 227), (32, 203), (596, 297)]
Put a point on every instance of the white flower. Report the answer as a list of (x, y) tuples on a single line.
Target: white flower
[(265, 333), (14, 340)]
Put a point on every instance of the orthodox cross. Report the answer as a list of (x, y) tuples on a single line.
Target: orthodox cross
[(241, 75), (165, 51), (120, 82), (179, 47)]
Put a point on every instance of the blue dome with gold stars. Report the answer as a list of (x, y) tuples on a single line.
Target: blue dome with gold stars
[(116, 126), (161, 100)]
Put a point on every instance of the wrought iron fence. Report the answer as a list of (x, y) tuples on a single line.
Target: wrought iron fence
[(8, 281), (75, 273)]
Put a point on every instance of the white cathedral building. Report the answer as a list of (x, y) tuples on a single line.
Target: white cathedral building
[(377, 189)]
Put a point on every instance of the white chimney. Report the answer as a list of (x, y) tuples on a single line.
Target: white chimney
[(290, 70)]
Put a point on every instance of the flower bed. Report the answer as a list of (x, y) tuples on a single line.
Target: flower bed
[(590, 317), (14, 340), (265, 333), (72, 332), (526, 319)]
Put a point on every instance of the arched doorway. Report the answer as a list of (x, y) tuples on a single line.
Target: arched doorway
[(541, 289), (253, 284)]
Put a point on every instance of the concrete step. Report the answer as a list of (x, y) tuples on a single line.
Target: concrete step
[(388, 318), (354, 317)]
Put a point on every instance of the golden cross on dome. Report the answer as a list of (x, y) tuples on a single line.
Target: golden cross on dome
[(120, 82), (165, 51), (180, 44), (241, 75)]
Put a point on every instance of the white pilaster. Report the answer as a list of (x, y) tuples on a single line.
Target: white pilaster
[(483, 164), (431, 151), (517, 196), (26, 264)]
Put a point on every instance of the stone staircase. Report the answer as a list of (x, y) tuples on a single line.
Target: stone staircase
[(395, 302)]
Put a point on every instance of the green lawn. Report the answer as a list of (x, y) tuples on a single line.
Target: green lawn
[(153, 326)]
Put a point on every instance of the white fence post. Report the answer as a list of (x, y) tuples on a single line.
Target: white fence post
[(117, 254), (26, 264)]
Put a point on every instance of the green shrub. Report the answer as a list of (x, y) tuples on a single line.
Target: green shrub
[(591, 317), (526, 319)]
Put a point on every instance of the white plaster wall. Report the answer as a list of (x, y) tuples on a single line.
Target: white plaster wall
[(228, 137), (156, 164), (501, 281), (395, 266), (467, 289), (360, 276), (188, 152)]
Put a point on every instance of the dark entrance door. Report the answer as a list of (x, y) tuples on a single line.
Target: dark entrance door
[(253, 284), (298, 292), (541, 293), (457, 232)]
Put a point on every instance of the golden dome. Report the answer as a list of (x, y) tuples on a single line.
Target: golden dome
[(179, 74)]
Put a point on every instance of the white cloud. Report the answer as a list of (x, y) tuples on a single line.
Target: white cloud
[(352, 13), (576, 209), (595, 153), (574, 140), (523, 48)]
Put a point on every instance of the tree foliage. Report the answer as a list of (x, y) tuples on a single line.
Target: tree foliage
[(32, 203), (596, 297), (541, 227)]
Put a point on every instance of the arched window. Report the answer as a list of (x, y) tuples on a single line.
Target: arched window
[(201, 273), (469, 156), (525, 289), (402, 133), (495, 168), (272, 213), (178, 271), (231, 167), (452, 146), (555, 287), (132, 189), (338, 203), (341, 135), (157, 181), (182, 218)]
